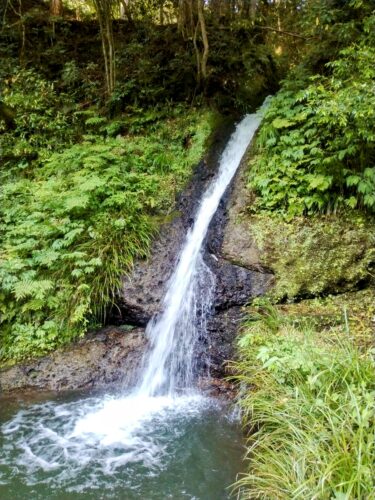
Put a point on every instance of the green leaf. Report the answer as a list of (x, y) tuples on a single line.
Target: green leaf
[(282, 123)]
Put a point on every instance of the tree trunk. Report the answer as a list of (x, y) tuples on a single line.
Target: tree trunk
[(253, 8), (125, 11), (161, 13), (104, 11), (197, 55), (204, 39), (186, 23), (192, 25), (56, 8)]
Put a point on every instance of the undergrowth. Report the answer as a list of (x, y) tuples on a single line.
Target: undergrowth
[(315, 149), (73, 220), (307, 402)]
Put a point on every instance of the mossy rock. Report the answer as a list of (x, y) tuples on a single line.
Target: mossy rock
[(315, 256)]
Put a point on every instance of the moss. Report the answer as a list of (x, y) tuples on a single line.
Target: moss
[(317, 255), (352, 313)]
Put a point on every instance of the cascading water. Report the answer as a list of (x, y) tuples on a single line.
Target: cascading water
[(173, 335), (138, 446)]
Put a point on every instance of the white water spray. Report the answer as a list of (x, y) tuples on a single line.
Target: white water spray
[(173, 335)]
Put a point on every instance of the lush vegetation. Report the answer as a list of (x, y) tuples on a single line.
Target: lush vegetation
[(305, 369), (72, 221), (316, 148), (154, 62), (307, 392), (106, 106)]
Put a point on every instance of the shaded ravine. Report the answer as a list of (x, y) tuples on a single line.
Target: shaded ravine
[(115, 443)]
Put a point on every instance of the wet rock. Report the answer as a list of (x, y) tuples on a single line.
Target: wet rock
[(111, 355), (235, 285), (237, 243), (218, 388), (239, 246), (222, 329), (143, 290)]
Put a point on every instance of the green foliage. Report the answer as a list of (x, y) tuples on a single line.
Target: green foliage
[(308, 406), (155, 64), (316, 146), (44, 118), (242, 71), (81, 81), (73, 225), (353, 310)]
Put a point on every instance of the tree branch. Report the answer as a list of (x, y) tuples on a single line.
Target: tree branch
[(289, 33)]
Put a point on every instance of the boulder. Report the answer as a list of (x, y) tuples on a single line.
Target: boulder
[(111, 355)]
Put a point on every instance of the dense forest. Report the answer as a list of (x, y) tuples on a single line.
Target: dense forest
[(107, 106)]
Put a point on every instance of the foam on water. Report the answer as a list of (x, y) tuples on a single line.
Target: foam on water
[(102, 434)]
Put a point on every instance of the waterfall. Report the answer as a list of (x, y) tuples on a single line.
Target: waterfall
[(136, 443), (169, 365)]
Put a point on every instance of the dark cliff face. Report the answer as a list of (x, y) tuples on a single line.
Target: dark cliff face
[(143, 291), (114, 354)]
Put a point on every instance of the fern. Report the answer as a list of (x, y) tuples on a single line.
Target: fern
[(315, 150), (35, 289), (71, 229)]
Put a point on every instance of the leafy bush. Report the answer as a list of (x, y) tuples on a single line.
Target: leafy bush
[(74, 224), (316, 146), (308, 406)]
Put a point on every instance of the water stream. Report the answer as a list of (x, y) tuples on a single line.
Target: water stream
[(164, 439), (169, 365)]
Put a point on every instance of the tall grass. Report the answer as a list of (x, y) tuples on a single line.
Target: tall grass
[(308, 406)]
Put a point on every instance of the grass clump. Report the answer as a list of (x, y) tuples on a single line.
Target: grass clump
[(327, 315), (308, 406)]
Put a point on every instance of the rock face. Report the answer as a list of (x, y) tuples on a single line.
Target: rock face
[(236, 285), (112, 355), (143, 291), (236, 244)]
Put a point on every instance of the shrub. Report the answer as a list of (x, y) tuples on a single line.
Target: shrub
[(44, 119), (316, 147), (73, 226)]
